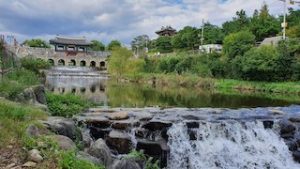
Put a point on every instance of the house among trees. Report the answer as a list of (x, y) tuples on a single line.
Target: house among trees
[(70, 44), (166, 31), (271, 41), (209, 48)]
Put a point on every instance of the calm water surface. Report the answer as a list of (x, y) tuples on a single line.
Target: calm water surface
[(110, 93)]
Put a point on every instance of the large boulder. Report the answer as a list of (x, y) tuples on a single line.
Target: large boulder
[(287, 129), (126, 164), (118, 116), (35, 131), (40, 94), (100, 150), (119, 141), (63, 126), (64, 143), (87, 157)]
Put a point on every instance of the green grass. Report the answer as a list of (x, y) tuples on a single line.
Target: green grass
[(16, 81), (190, 80), (69, 161), (66, 105)]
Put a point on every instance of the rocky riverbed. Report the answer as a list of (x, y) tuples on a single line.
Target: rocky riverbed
[(176, 136)]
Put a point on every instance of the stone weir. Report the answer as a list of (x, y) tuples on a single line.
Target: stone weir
[(201, 137)]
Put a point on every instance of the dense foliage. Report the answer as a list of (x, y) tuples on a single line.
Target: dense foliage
[(33, 64), (66, 105), (97, 45), (38, 43), (114, 44)]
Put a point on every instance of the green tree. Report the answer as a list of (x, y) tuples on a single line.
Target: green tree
[(239, 23), (263, 24), (140, 43), (213, 34), (97, 45), (163, 44), (236, 44), (186, 38), (38, 43), (114, 44), (118, 61)]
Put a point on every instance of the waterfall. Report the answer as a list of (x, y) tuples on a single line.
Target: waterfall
[(228, 145)]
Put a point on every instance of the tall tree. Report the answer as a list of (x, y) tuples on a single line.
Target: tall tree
[(263, 24), (240, 22), (114, 44), (97, 45), (213, 34), (140, 43), (163, 44)]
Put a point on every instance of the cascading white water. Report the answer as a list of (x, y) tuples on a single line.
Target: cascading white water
[(228, 145)]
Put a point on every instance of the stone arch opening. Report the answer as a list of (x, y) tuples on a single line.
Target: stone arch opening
[(72, 62), (61, 62), (102, 65), (51, 62), (82, 63), (93, 64)]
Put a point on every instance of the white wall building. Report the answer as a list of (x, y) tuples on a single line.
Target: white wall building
[(209, 48)]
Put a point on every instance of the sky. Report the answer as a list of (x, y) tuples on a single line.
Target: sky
[(106, 20)]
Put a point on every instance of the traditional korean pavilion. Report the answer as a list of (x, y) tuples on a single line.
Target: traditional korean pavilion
[(70, 44), (166, 31)]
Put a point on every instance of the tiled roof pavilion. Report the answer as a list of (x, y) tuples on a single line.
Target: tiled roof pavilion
[(70, 41)]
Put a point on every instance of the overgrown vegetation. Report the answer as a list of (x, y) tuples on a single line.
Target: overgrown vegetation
[(38, 43), (33, 64), (15, 81), (69, 161), (139, 155), (66, 105)]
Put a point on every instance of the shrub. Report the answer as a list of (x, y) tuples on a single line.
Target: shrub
[(70, 161), (260, 64), (66, 105), (236, 44), (34, 64)]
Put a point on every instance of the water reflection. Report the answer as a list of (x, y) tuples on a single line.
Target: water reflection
[(110, 93), (89, 87)]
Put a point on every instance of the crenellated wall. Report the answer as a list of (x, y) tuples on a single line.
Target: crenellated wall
[(91, 58)]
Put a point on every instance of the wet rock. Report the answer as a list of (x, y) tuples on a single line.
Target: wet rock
[(65, 143), (126, 164), (99, 122), (192, 134), (157, 149), (295, 119), (118, 116), (157, 125), (29, 164), (190, 117), (119, 141), (287, 129), (40, 94), (192, 124), (97, 133), (63, 126), (86, 138), (142, 116), (296, 155), (268, 124), (35, 156), (292, 145), (100, 150), (87, 157), (277, 112), (125, 124)]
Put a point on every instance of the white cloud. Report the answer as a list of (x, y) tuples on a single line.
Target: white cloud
[(116, 19)]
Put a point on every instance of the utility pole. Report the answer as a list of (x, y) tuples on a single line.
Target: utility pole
[(202, 33)]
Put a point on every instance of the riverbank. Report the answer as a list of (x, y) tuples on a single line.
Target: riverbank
[(193, 81)]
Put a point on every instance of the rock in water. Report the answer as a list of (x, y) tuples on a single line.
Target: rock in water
[(119, 141), (65, 143), (63, 126), (35, 155), (126, 164), (118, 116), (100, 150)]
